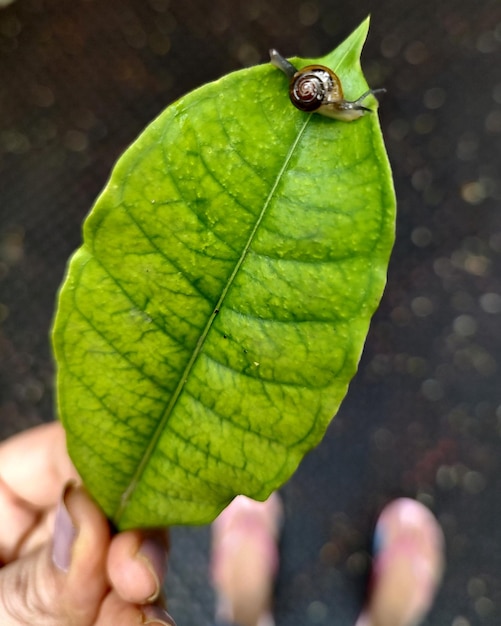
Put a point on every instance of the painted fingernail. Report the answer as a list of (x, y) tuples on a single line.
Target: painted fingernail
[(65, 533), (154, 555), (155, 616)]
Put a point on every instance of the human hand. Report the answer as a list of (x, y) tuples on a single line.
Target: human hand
[(75, 574)]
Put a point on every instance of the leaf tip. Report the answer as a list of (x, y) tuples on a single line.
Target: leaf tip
[(362, 30)]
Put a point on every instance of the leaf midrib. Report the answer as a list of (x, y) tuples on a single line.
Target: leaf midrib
[(196, 352)]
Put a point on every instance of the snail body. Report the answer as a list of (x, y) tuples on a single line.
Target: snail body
[(316, 88)]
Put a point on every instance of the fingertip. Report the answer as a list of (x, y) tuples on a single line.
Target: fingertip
[(136, 565), (114, 610), (93, 533), (86, 577), (153, 554)]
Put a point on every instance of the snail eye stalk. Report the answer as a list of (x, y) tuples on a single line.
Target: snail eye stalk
[(317, 88)]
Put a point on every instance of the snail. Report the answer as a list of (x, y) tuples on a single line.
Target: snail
[(317, 88)]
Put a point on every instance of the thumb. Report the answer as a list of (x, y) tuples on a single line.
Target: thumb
[(62, 583)]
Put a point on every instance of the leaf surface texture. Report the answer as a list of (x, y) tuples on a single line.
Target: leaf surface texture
[(210, 323)]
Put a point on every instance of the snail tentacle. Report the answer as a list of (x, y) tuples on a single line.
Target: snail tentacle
[(347, 110), (281, 62), (317, 88)]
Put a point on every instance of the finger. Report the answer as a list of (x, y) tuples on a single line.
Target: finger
[(117, 612), (16, 521), (38, 535), (38, 452), (137, 563), (86, 579), (63, 584)]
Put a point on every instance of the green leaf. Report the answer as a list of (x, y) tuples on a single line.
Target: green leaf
[(210, 323)]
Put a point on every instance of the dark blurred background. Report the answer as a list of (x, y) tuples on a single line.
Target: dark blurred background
[(78, 82)]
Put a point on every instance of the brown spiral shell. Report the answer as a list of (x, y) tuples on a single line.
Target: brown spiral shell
[(318, 88), (313, 86)]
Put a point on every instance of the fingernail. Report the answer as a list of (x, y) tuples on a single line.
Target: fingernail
[(155, 616), (154, 555), (65, 533)]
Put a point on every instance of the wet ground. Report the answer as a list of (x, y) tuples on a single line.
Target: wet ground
[(78, 81)]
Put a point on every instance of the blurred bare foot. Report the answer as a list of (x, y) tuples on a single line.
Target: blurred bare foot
[(408, 565), (245, 560)]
